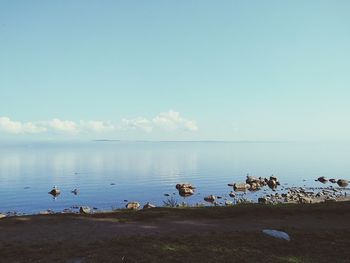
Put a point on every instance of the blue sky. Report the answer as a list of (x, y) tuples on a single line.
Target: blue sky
[(175, 70)]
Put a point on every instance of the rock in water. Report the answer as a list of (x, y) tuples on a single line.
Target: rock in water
[(210, 198), (55, 191), (186, 191), (232, 194), (133, 205), (185, 185), (84, 210), (276, 234), (322, 179), (241, 187), (343, 182), (333, 181)]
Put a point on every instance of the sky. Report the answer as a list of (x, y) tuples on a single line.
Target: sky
[(175, 70)]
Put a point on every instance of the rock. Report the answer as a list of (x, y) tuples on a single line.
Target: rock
[(333, 181), (228, 203), (148, 206), (75, 191), (133, 205), (166, 194), (232, 194), (55, 191), (186, 192), (185, 185), (274, 178), (254, 186), (241, 187), (276, 234), (210, 198), (322, 179), (185, 189), (2, 215), (84, 210), (262, 200), (305, 200), (343, 182), (272, 183), (251, 179)]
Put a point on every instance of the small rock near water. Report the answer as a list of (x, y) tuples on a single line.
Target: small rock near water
[(262, 200), (210, 198), (133, 205), (148, 206), (84, 210), (228, 203)]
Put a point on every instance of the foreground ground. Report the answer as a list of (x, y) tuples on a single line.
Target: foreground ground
[(319, 232)]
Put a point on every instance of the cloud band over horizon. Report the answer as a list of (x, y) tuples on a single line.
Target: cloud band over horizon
[(169, 121)]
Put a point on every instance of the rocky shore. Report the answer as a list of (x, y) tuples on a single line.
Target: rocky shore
[(269, 191)]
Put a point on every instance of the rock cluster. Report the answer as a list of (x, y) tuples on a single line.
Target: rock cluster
[(340, 182), (254, 184), (185, 189), (300, 195)]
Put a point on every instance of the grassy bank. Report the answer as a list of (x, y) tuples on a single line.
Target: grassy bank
[(319, 233)]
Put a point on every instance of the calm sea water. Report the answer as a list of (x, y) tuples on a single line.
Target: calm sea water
[(107, 173)]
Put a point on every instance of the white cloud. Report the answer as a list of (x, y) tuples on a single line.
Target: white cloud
[(168, 121), (165, 121), (16, 127), (172, 120), (97, 126), (137, 124), (63, 126)]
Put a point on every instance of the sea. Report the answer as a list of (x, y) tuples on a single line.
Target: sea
[(108, 174)]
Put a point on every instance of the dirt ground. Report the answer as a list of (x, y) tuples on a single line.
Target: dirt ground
[(319, 233)]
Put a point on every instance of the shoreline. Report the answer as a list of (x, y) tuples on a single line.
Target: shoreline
[(286, 195)]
